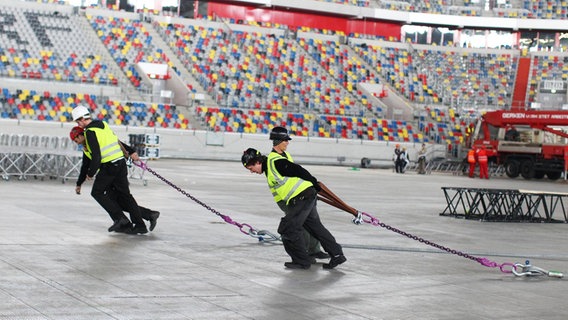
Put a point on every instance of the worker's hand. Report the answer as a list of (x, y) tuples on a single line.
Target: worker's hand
[(78, 189), (317, 186), (134, 156)]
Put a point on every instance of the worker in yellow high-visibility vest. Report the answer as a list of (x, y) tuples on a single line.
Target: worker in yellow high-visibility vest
[(280, 141), (109, 166), (291, 183)]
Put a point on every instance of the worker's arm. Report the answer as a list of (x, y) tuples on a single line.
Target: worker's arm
[(290, 169), (93, 144), (129, 152), (82, 173)]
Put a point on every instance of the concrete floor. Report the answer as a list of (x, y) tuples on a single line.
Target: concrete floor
[(57, 260)]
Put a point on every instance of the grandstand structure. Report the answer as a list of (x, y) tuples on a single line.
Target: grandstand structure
[(342, 69)]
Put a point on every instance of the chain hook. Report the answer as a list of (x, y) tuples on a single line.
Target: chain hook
[(267, 236), (358, 220), (529, 271)]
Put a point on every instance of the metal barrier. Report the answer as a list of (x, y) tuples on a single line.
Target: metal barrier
[(23, 156), (452, 166), (504, 204)]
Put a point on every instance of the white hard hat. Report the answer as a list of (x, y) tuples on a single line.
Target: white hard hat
[(80, 112)]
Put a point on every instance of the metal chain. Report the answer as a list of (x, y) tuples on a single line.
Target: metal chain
[(261, 235), (484, 261), (267, 236)]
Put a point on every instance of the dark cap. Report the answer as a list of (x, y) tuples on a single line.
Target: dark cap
[(279, 134), (250, 155)]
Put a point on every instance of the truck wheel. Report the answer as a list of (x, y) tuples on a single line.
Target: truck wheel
[(527, 169), (512, 169), (554, 175)]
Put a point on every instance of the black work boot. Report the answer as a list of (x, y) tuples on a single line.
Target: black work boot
[(154, 219), (119, 224), (124, 228), (335, 261), (138, 229)]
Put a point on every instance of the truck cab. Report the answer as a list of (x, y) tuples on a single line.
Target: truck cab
[(532, 144)]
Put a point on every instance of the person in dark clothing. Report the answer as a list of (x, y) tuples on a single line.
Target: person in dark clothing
[(403, 156), (280, 141), (422, 159), (109, 166), (152, 216), (397, 159), (512, 134), (298, 189)]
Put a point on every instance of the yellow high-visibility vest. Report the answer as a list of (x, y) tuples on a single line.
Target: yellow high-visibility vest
[(276, 197), (283, 188), (108, 143)]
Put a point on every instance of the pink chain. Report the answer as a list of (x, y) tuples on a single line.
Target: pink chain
[(483, 261)]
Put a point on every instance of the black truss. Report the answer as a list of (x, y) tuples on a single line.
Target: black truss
[(504, 204)]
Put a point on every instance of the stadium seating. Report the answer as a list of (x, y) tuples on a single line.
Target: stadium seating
[(48, 106), (445, 75), (142, 114), (300, 124), (546, 66), (43, 106), (546, 9), (253, 121), (348, 70), (128, 43), (359, 3), (48, 45), (273, 72)]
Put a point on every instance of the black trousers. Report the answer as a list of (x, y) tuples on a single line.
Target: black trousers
[(302, 214), (113, 178), (312, 244), (144, 212), (398, 165)]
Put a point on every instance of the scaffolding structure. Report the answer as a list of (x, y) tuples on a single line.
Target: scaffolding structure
[(505, 204), (24, 156)]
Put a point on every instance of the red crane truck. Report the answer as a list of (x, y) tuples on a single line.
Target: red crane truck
[(530, 143)]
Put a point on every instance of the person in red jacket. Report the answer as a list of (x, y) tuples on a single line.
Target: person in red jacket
[(471, 161), (483, 165)]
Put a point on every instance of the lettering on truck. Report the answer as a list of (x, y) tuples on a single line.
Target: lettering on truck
[(513, 115)]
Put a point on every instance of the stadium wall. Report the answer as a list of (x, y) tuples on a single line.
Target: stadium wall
[(206, 145)]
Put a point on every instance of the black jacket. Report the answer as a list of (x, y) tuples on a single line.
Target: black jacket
[(87, 162), (290, 169)]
